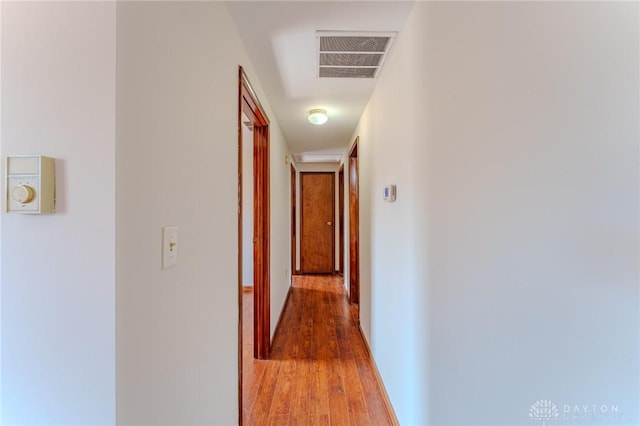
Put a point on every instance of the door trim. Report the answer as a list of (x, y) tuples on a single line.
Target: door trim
[(250, 105), (341, 220), (294, 269), (333, 223), (354, 226)]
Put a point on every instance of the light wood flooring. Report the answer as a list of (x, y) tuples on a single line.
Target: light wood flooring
[(320, 371)]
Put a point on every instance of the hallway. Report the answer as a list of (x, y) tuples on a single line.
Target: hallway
[(320, 371)]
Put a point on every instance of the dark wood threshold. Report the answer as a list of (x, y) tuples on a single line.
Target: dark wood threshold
[(376, 372), (319, 274)]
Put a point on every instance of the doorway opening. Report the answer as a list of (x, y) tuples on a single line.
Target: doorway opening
[(354, 229), (251, 116)]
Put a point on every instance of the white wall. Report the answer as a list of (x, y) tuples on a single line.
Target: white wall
[(247, 205), (58, 302), (169, 147), (177, 150), (280, 213), (507, 270), (1, 187)]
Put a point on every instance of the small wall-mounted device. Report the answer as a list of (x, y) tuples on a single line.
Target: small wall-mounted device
[(30, 182), (389, 193), (169, 246)]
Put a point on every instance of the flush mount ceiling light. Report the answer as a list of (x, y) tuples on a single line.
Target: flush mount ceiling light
[(318, 116)]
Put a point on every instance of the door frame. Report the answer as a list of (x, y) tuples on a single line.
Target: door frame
[(294, 269), (341, 220), (354, 226), (333, 223), (250, 105)]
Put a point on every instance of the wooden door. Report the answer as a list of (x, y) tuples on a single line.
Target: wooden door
[(317, 209)]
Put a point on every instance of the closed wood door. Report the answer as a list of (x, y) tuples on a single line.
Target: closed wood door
[(317, 201)]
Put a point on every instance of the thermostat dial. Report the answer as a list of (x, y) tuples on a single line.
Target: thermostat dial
[(23, 194)]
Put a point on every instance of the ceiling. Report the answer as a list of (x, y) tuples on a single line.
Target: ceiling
[(280, 37)]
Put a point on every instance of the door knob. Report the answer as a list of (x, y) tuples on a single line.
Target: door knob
[(329, 223)]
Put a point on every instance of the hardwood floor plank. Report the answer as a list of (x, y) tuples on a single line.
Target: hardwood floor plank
[(359, 349), (375, 402), (319, 389), (253, 371), (264, 399), (252, 378), (338, 410), (355, 397), (360, 419), (278, 420), (283, 392), (320, 371), (300, 397), (298, 420), (319, 420)]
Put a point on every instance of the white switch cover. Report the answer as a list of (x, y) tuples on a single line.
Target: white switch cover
[(169, 246)]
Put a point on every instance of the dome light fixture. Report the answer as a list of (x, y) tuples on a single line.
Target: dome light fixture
[(318, 116)]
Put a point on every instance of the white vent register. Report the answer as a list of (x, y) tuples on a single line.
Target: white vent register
[(352, 54), (30, 183)]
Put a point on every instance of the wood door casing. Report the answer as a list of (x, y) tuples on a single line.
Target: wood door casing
[(317, 227), (341, 219), (250, 106), (354, 227), (292, 179)]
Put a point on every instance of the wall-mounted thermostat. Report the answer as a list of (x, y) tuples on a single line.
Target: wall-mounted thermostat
[(389, 193), (30, 184)]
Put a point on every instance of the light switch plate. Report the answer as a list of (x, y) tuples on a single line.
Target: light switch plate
[(169, 246), (389, 193)]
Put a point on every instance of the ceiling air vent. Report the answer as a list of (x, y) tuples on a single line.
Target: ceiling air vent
[(352, 55)]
